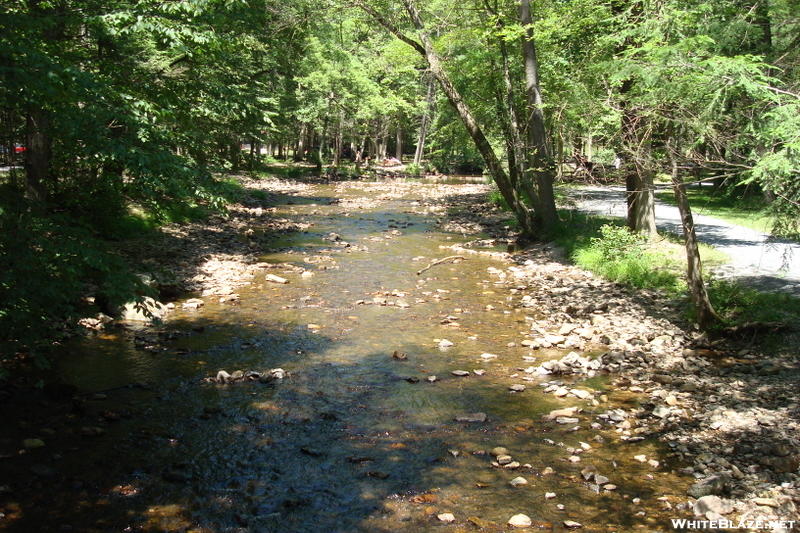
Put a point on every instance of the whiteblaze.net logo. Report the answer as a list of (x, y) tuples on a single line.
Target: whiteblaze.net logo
[(723, 523)]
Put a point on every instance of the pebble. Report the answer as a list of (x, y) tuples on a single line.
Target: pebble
[(446, 517), (518, 481)]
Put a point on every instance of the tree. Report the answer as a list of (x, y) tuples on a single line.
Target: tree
[(531, 222)]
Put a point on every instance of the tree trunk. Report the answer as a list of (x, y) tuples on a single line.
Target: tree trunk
[(706, 316), (539, 158), (639, 181), (426, 118), (37, 154), (398, 139)]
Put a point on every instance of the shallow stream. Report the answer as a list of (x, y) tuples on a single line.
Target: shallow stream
[(362, 435)]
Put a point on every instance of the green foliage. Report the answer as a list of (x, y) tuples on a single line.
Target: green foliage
[(738, 304), (46, 260), (621, 255)]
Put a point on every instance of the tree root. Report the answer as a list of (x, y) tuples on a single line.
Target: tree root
[(756, 328), (440, 261)]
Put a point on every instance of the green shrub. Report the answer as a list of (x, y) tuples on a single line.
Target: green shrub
[(621, 255)]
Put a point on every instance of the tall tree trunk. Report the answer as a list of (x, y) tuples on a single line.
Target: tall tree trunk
[(706, 316), (498, 173), (514, 146), (300, 147), (639, 180), (426, 119), (37, 154), (539, 158), (398, 139)]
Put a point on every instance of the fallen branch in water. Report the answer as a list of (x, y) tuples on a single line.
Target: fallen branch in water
[(440, 261)]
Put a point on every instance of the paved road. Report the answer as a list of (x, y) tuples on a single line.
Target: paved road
[(756, 258)]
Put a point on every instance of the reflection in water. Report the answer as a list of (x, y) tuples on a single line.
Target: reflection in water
[(355, 439)]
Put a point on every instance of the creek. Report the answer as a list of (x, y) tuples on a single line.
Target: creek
[(370, 431)]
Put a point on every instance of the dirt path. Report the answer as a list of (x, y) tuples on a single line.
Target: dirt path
[(756, 258)]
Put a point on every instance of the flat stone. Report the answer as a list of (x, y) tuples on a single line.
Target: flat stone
[(582, 394), (713, 504), (471, 417), (32, 444), (519, 520), (572, 524), (554, 339), (661, 411), (518, 481), (766, 502), (446, 517)]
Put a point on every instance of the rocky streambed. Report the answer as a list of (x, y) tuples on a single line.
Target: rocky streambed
[(490, 392)]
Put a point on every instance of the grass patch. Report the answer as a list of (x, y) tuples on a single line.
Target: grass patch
[(625, 257), (729, 205), (736, 304), (606, 248)]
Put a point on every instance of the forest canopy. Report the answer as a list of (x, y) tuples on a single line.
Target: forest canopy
[(112, 106)]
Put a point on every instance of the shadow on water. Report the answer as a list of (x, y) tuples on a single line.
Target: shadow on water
[(362, 436)]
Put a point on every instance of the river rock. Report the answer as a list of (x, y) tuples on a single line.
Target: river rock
[(460, 373), (447, 518), (499, 450), (782, 464), (444, 343), (712, 503), (518, 481), (572, 524), (516, 388), (471, 417), (566, 412), (519, 520), (711, 485), (661, 411), (43, 471), (145, 311), (33, 444), (766, 502)]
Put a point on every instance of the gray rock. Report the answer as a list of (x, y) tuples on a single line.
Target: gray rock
[(43, 471), (471, 417), (711, 485), (712, 503)]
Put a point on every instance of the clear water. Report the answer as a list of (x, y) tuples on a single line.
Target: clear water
[(355, 440)]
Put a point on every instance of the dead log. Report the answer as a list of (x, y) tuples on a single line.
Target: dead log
[(441, 261)]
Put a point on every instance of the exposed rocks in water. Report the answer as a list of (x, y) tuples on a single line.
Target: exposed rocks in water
[(248, 375), (726, 413)]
